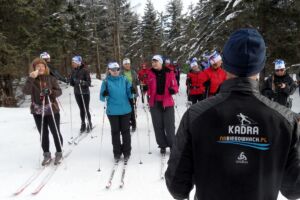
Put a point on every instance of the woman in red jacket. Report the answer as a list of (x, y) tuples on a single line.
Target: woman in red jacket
[(194, 85), (161, 86), (214, 74), (143, 78)]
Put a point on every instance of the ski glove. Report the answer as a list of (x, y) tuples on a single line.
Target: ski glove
[(131, 101), (145, 88), (132, 90), (45, 92), (105, 93), (171, 90)]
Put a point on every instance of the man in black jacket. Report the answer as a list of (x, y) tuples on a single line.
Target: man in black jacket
[(280, 85), (237, 145), (53, 71)]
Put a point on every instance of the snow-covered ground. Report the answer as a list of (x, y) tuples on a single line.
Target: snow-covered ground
[(77, 177)]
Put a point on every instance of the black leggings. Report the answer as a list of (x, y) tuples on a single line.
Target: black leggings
[(48, 122), (86, 98)]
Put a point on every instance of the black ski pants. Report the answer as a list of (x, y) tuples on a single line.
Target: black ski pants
[(86, 98), (163, 120), (120, 125), (49, 124)]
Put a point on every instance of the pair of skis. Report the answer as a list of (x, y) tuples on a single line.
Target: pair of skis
[(36, 174), (113, 171), (76, 140)]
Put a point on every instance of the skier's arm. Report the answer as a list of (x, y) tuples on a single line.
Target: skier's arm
[(103, 87), (55, 90), (290, 186), (128, 89), (290, 87), (88, 77), (266, 89), (27, 89), (179, 175), (72, 82), (174, 85)]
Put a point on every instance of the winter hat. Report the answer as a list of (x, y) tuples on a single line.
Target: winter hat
[(244, 54), (126, 61), (45, 55), (77, 60), (168, 61), (279, 64), (214, 58), (113, 65), (193, 64), (37, 61), (158, 58)]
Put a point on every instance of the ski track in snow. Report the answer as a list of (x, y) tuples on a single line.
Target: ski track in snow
[(77, 178)]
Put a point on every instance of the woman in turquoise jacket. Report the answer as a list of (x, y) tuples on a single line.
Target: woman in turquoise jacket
[(116, 90)]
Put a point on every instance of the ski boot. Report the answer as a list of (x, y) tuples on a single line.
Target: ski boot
[(82, 128), (89, 127), (58, 158), (163, 150), (47, 158)]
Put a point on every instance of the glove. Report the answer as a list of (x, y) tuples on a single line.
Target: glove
[(131, 101), (145, 88), (188, 80), (171, 90), (132, 90), (105, 93), (45, 92)]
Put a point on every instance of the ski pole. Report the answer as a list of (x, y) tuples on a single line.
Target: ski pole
[(60, 105), (145, 109), (86, 114), (102, 131), (70, 99), (137, 132), (55, 124), (42, 125)]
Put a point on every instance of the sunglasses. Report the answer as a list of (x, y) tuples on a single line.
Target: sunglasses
[(279, 70), (115, 69)]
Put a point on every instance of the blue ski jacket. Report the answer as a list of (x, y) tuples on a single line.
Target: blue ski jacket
[(119, 93)]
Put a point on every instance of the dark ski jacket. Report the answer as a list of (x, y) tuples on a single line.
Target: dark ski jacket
[(135, 80), (54, 72), (237, 145), (34, 87), (272, 90), (81, 76)]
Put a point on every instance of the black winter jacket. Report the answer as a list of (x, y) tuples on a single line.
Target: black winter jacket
[(80, 76), (272, 90), (237, 145)]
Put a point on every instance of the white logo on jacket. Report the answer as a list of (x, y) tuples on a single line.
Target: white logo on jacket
[(242, 159)]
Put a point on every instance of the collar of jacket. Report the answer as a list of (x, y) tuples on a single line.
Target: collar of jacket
[(110, 77), (240, 84)]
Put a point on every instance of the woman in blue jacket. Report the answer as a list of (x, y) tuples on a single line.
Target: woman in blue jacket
[(117, 91)]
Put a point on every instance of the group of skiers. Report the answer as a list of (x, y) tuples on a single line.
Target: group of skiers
[(119, 90)]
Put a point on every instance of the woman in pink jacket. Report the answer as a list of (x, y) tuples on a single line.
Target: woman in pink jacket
[(161, 86)]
